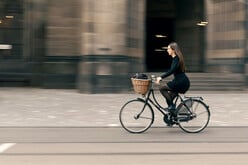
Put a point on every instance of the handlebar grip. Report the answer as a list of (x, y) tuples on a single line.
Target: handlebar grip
[(153, 78)]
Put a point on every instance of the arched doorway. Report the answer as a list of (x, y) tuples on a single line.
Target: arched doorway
[(174, 20)]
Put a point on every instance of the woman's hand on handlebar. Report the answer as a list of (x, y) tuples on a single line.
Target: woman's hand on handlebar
[(158, 80)]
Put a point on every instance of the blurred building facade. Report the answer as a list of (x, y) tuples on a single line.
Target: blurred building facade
[(96, 45)]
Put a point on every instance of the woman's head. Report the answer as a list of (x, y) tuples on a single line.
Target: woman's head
[(173, 48)]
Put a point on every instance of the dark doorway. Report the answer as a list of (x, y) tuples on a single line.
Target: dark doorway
[(159, 34), (178, 20)]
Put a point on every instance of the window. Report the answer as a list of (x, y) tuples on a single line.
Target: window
[(11, 29)]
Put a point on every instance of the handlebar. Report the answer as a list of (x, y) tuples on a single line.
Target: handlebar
[(153, 78)]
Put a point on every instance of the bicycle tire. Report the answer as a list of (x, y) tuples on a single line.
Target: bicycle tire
[(133, 119), (193, 115)]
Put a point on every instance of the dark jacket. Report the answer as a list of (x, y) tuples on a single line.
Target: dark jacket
[(180, 83)]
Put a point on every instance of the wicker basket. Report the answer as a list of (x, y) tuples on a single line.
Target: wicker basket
[(140, 86)]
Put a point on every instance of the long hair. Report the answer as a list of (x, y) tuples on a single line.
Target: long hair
[(178, 52)]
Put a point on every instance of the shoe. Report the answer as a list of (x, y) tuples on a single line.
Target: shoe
[(168, 121)]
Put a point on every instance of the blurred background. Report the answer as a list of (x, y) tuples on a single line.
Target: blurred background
[(95, 46)]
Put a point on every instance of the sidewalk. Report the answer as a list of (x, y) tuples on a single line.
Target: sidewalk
[(34, 107)]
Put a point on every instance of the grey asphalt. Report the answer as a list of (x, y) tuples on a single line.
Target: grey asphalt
[(35, 107), (156, 135), (112, 145)]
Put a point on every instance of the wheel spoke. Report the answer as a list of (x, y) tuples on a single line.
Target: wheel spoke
[(197, 119), (136, 118), (202, 113), (144, 117)]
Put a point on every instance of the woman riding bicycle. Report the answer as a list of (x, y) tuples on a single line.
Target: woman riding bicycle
[(191, 113), (180, 83)]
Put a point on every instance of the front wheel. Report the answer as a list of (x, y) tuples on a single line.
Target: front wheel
[(193, 115), (136, 116)]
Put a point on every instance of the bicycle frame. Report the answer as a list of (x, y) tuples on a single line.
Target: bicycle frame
[(154, 102), (186, 110), (137, 115)]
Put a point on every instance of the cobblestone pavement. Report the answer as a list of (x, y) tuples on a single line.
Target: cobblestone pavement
[(34, 107)]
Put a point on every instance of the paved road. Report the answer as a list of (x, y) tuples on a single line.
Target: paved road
[(50, 146), (50, 127)]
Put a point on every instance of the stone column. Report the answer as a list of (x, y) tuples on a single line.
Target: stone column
[(246, 45), (225, 36), (111, 44), (34, 39), (62, 43)]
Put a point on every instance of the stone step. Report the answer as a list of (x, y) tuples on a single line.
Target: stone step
[(214, 81)]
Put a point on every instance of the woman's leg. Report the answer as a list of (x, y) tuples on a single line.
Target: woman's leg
[(173, 95), (169, 95), (165, 91)]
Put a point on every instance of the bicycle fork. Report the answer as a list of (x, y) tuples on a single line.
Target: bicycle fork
[(136, 117)]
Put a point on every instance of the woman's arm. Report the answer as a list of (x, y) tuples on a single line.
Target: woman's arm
[(173, 68)]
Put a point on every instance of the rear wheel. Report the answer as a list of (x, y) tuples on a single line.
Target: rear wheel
[(193, 115), (136, 118)]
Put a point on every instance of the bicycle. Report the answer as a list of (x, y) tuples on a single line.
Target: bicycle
[(191, 114)]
